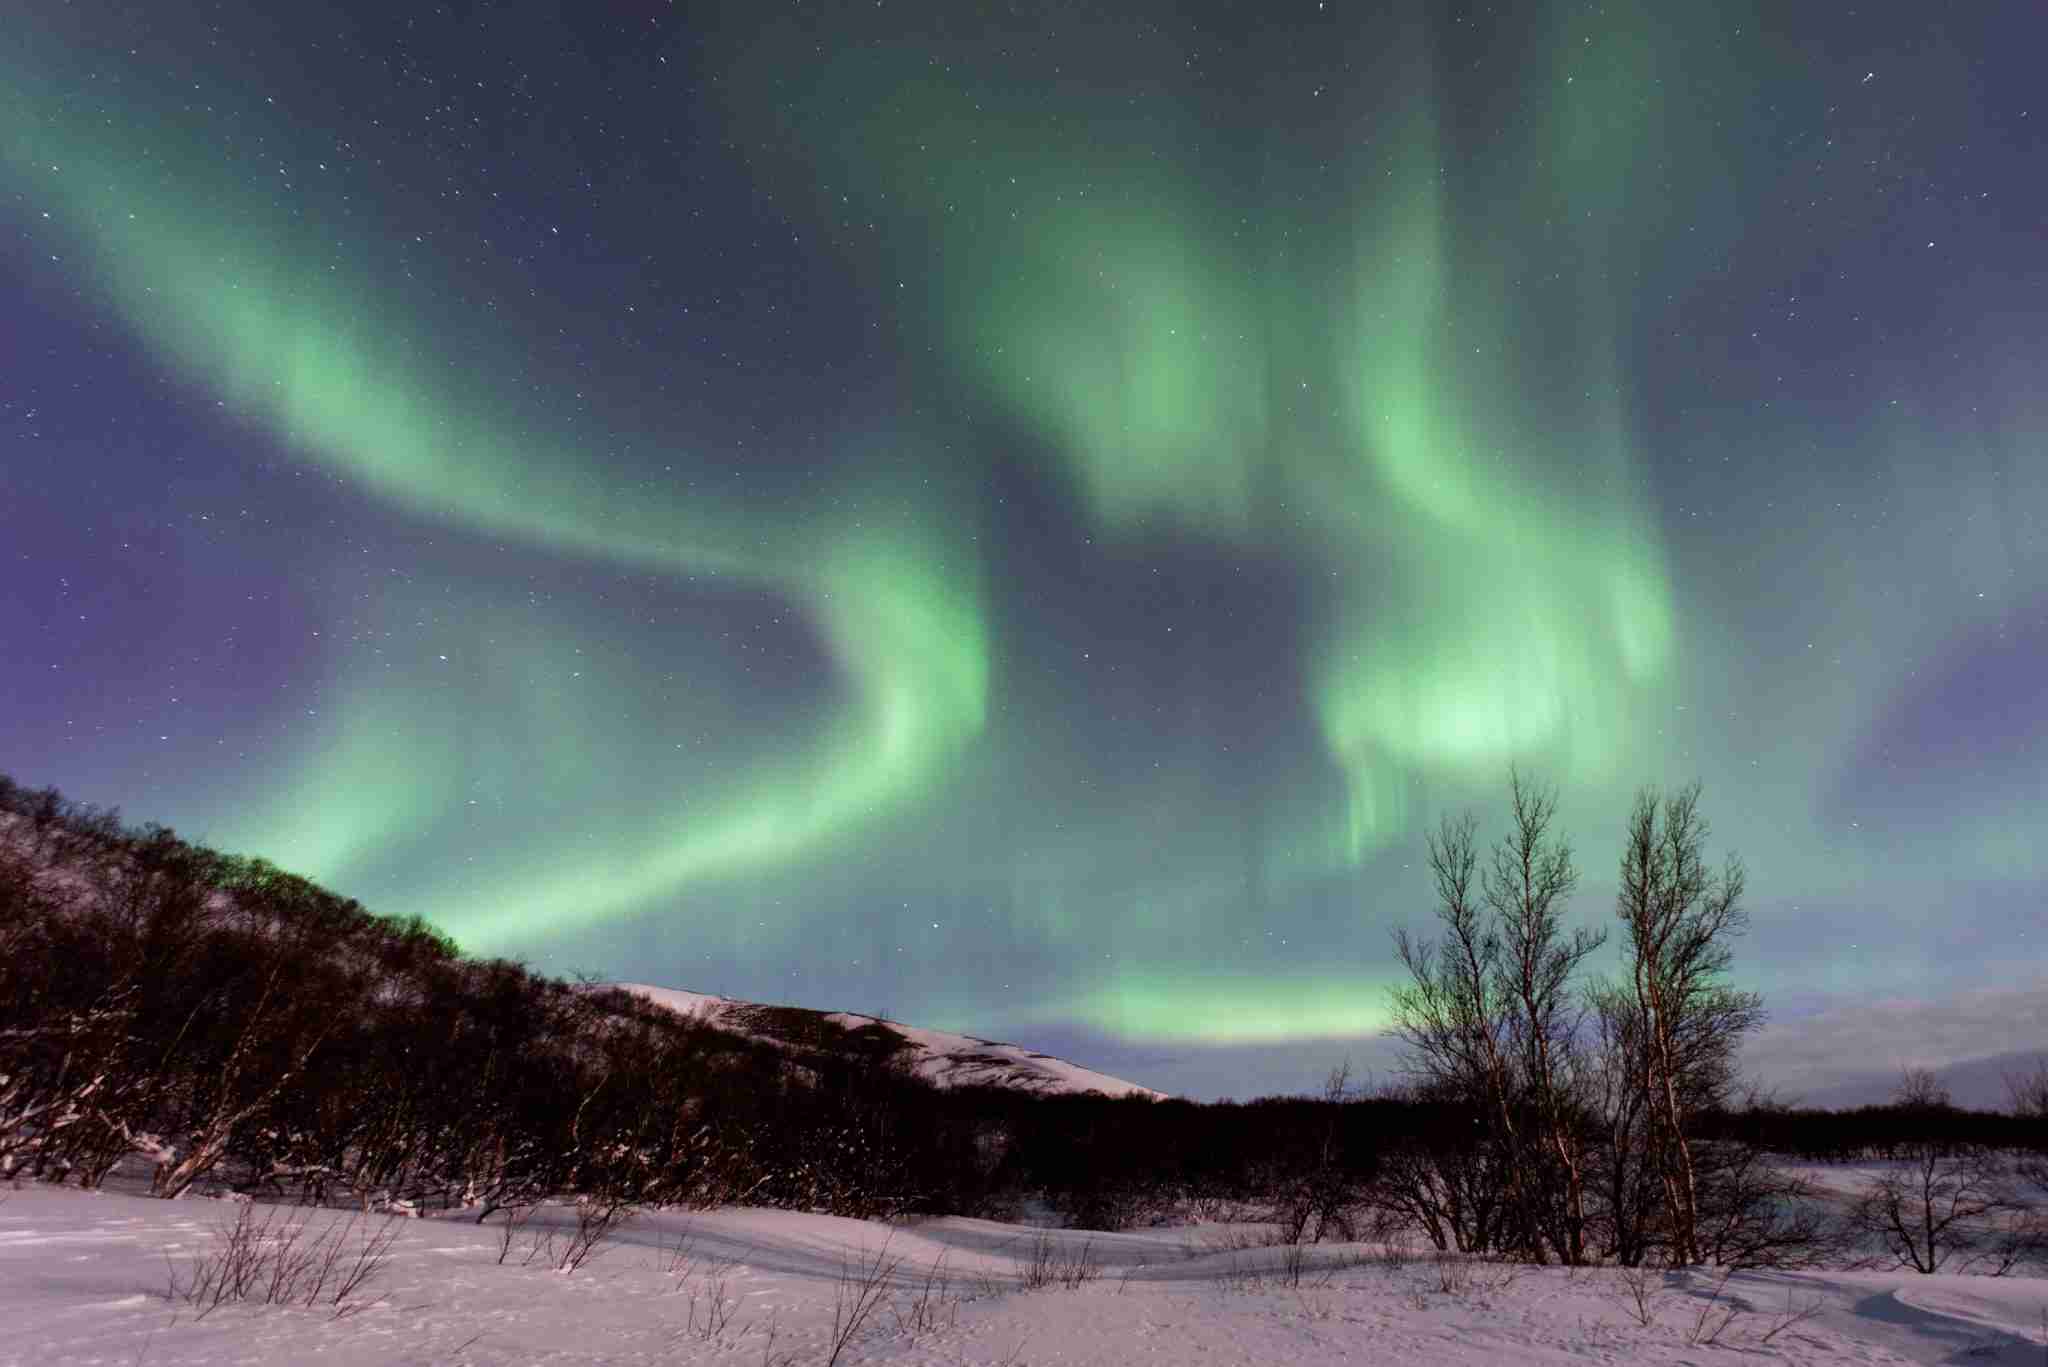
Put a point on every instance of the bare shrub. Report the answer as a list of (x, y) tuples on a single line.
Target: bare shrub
[(598, 1220), (1390, 1254), (1453, 1272), (1384, 1232), (711, 1321), (1034, 1272), (1243, 1277), (1792, 1316), (1639, 1293), (674, 1258), (1715, 1315), (932, 1307), (1051, 1263), (540, 1248), (987, 1285), (1236, 1240), (2019, 1239), (863, 1285), (268, 1259), (1076, 1268), (711, 1305), (773, 1331), (1297, 1262), (515, 1220), (1315, 1307), (1499, 1277)]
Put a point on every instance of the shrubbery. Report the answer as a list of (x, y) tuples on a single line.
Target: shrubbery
[(222, 1018)]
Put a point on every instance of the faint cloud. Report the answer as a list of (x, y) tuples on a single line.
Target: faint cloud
[(1850, 1055)]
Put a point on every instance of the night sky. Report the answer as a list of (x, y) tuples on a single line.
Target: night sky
[(1020, 517)]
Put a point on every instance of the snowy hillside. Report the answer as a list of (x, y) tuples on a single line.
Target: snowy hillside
[(938, 1056)]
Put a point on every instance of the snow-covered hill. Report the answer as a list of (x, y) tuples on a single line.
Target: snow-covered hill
[(939, 1056)]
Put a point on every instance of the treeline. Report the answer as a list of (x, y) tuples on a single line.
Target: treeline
[(216, 1019), (1867, 1134)]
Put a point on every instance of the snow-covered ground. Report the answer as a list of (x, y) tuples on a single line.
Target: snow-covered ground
[(84, 1278)]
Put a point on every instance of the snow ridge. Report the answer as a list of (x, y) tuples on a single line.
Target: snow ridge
[(938, 1056)]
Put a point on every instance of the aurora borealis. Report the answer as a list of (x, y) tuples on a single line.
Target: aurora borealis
[(1020, 519)]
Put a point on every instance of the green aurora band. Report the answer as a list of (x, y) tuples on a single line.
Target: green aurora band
[(1498, 591), (223, 285)]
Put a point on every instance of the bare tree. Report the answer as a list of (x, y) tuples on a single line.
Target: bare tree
[(1445, 1176), (1527, 889), (1678, 917), (1948, 1199), (1755, 1214), (2028, 1093), (1451, 1015), (1624, 1181), (1316, 1185), (1492, 1016)]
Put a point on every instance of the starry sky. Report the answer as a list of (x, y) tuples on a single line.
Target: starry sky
[(1020, 517)]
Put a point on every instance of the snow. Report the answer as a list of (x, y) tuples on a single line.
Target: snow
[(941, 1057), (83, 1279)]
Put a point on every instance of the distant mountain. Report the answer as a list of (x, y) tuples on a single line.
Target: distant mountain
[(1973, 1083), (938, 1056)]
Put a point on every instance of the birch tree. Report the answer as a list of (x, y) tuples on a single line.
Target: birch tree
[(1528, 888), (1492, 1012), (1678, 918)]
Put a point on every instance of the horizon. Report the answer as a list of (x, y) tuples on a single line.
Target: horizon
[(1791, 1062)]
